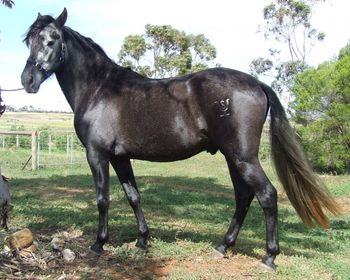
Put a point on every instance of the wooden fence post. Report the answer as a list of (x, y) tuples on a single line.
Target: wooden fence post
[(71, 148), (67, 150), (35, 150), (50, 143)]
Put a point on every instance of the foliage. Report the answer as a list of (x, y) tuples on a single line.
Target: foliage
[(286, 72), (165, 51), (12, 140), (289, 23), (322, 107), (8, 3)]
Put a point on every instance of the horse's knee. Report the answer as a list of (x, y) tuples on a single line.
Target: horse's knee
[(134, 201), (102, 204)]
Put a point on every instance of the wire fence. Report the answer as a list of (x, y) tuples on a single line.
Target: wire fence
[(32, 150)]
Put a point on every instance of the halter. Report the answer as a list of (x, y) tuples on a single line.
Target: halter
[(40, 67)]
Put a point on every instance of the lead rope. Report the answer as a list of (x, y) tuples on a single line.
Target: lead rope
[(3, 106)]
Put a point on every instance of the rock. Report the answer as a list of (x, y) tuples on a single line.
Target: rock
[(68, 255), (57, 244), (21, 239), (6, 252)]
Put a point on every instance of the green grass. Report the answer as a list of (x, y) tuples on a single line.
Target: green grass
[(188, 206), (34, 121)]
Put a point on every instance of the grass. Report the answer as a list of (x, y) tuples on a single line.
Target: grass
[(34, 121), (188, 206)]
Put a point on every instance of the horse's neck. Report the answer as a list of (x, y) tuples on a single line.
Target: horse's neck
[(76, 77)]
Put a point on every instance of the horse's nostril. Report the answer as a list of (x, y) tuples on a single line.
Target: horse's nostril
[(30, 80)]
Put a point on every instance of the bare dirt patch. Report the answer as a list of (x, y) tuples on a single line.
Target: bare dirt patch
[(124, 262), (344, 203)]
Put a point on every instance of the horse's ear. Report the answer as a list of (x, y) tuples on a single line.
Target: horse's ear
[(39, 16), (61, 20)]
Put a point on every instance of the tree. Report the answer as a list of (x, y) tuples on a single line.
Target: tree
[(289, 23), (322, 109), (8, 3), (165, 51)]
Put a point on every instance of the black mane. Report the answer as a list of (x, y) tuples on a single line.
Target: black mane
[(85, 42)]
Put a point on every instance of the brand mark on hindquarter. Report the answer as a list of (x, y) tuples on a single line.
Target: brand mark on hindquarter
[(224, 107)]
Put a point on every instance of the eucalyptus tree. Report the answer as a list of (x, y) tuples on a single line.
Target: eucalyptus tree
[(287, 23), (165, 51)]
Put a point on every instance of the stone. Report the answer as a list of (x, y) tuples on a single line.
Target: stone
[(57, 244), (68, 255)]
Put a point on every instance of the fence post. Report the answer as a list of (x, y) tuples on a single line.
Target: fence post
[(50, 144), (17, 141), (67, 136), (71, 148), (35, 150)]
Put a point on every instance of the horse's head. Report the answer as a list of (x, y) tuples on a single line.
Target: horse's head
[(47, 50)]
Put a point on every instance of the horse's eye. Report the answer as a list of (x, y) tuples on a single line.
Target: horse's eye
[(50, 43)]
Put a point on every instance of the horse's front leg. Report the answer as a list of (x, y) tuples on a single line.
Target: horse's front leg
[(100, 170), (126, 177)]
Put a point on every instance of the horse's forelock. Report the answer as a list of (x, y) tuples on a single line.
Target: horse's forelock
[(39, 24)]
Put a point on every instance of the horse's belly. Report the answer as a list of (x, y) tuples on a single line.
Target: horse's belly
[(164, 152), (167, 145)]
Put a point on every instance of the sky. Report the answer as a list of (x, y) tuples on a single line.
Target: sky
[(230, 25)]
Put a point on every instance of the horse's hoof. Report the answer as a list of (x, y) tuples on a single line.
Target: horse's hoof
[(268, 262), (96, 249), (215, 255)]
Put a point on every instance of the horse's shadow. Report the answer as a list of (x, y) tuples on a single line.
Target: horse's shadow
[(176, 208)]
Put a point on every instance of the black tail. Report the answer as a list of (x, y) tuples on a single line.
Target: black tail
[(304, 189)]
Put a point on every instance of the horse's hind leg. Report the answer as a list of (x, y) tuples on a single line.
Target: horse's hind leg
[(251, 177), (126, 177), (244, 195)]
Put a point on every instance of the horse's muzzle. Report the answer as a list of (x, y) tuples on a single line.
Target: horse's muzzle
[(31, 79)]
